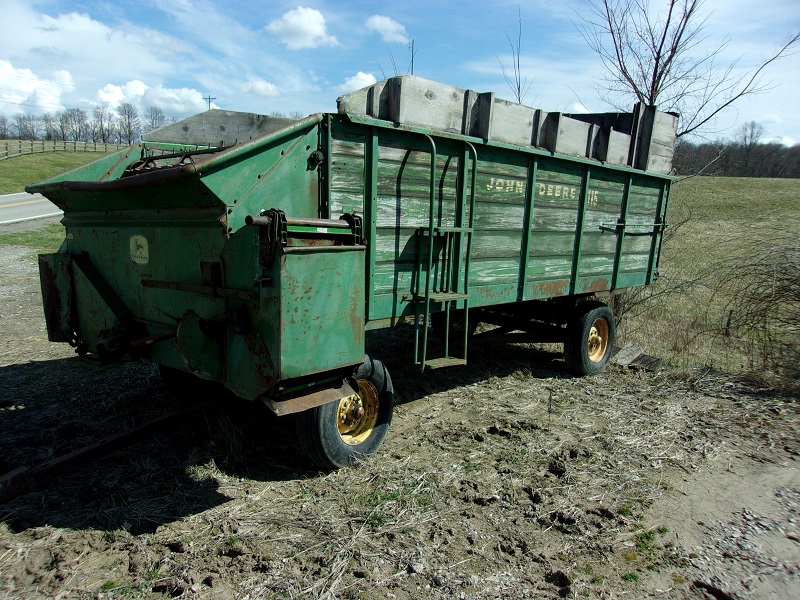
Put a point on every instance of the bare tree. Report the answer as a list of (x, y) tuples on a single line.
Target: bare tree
[(748, 138), (519, 84), (78, 125), (657, 57), (50, 126), (103, 125), (761, 291), (27, 126), (3, 127), (62, 125), (154, 118), (128, 122)]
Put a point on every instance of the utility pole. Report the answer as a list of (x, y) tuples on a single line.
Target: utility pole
[(411, 45), (208, 99)]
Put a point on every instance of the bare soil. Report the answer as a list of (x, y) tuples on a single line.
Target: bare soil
[(503, 479)]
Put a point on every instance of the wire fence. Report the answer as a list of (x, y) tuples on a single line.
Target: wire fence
[(12, 148)]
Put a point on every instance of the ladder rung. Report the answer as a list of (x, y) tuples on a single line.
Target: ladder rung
[(438, 363), (444, 296)]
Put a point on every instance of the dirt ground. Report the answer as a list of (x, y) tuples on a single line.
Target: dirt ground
[(503, 479)]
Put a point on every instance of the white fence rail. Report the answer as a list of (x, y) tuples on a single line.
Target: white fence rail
[(12, 148)]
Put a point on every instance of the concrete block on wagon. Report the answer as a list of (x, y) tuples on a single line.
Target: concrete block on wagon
[(642, 139)]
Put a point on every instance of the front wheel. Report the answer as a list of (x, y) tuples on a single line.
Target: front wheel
[(590, 339), (338, 433)]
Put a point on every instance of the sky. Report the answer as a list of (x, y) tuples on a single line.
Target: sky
[(268, 56)]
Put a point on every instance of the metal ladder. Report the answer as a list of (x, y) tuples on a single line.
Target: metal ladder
[(456, 243)]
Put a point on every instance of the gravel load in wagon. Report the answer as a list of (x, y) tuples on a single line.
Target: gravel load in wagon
[(255, 252)]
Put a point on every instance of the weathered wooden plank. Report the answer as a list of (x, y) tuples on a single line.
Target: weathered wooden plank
[(486, 271), (634, 263), (561, 243), (549, 267), (506, 244)]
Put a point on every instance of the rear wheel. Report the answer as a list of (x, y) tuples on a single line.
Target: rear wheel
[(338, 433), (590, 339)]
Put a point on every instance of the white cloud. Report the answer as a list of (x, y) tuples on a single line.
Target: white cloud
[(784, 139), (174, 100), (32, 93), (260, 88), (302, 27), (389, 29), (356, 82), (131, 91), (141, 95), (578, 108)]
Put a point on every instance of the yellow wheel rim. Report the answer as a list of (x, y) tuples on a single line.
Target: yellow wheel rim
[(597, 343), (358, 414)]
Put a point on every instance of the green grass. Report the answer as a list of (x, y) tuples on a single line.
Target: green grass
[(19, 171), (45, 239)]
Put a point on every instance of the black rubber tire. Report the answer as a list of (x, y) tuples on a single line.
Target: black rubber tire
[(318, 432), (579, 330)]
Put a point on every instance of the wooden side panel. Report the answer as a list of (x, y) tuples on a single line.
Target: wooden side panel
[(503, 176)]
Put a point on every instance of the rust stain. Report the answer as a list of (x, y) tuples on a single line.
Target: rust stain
[(549, 289), (600, 284)]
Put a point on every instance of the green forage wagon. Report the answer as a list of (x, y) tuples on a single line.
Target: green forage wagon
[(256, 251)]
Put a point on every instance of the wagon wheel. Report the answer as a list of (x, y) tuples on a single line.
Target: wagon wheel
[(338, 433), (590, 339)]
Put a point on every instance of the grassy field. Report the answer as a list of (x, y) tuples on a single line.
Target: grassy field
[(19, 171), (47, 238), (718, 223)]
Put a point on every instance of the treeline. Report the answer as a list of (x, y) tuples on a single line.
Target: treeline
[(746, 155), (122, 125)]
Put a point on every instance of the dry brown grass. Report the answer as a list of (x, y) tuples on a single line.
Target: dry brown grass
[(723, 256)]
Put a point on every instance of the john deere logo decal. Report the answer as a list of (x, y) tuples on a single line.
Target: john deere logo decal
[(140, 254)]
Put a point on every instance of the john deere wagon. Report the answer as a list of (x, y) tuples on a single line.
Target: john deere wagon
[(255, 252)]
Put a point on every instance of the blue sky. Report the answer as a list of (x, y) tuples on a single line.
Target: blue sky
[(290, 56)]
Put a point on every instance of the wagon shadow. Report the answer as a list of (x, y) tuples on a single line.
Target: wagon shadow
[(51, 408), (486, 360)]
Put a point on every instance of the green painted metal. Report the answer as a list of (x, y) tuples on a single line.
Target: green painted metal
[(619, 229), (429, 267), (177, 254), (576, 252), (526, 229), (371, 210), (658, 230)]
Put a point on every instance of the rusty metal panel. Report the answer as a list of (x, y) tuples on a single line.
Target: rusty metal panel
[(55, 276), (322, 310)]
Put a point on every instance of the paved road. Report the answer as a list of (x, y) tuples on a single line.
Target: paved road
[(15, 208)]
